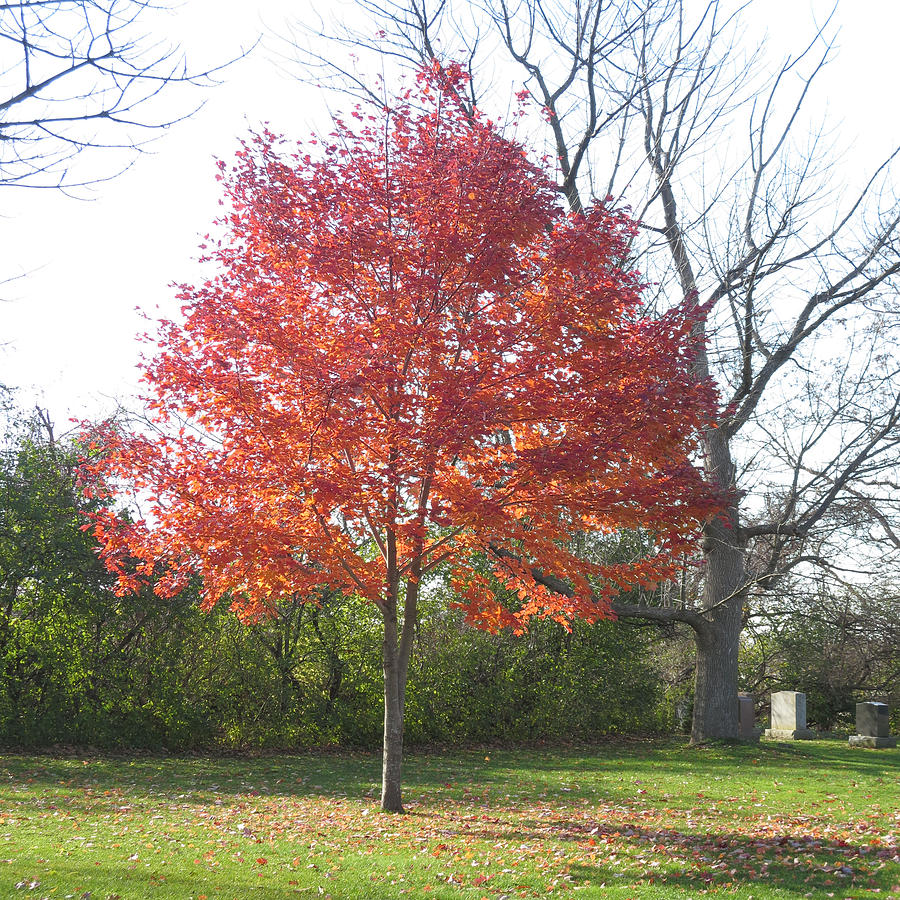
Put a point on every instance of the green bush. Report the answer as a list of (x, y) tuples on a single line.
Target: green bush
[(80, 665)]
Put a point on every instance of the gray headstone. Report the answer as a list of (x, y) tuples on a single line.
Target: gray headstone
[(872, 719), (873, 726), (746, 732), (874, 743)]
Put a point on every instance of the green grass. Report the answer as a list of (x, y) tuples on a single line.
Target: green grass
[(617, 820)]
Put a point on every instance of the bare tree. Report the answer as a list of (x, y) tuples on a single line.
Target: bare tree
[(77, 74), (653, 104)]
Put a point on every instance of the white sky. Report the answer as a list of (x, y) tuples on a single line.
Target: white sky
[(68, 325)]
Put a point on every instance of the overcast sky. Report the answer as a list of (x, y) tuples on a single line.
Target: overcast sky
[(68, 323)]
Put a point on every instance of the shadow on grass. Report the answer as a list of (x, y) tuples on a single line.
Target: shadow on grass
[(589, 772), (196, 778), (461, 800), (788, 861), (681, 756)]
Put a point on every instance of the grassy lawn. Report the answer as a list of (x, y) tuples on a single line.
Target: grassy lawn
[(618, 820)]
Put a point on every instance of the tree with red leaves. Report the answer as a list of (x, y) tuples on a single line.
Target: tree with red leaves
[(412, 359)]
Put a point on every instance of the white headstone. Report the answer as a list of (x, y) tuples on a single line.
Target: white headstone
[(789, 717)]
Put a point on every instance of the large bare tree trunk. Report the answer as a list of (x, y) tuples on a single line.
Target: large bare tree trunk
[(718, 640), (717, 635), (715, 681)]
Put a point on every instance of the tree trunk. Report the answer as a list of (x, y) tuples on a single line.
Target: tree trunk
[(718, 641), (716, 680), (396, 652), (718, 635), (394, 680)]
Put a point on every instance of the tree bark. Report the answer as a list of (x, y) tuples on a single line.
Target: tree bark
[(396, 653), (715, 684), (392, 753), (718, 641)]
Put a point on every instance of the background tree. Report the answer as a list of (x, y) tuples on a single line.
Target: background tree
[(653, 102), (40, 537), (47, 563), (837, 644), (412, 358), (78, 74)]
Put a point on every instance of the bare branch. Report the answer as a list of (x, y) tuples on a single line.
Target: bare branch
[(76, 73)]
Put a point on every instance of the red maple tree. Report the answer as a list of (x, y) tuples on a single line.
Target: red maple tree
[(412, 357)]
